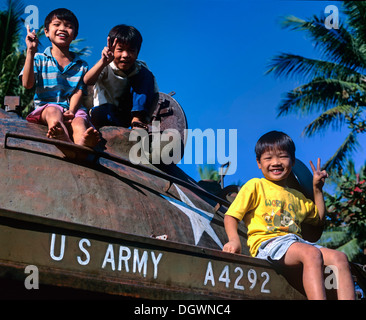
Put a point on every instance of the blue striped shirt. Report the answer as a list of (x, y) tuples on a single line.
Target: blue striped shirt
[(54, 84)]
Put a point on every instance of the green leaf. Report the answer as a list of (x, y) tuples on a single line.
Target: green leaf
[(351, 249), (334, 239)]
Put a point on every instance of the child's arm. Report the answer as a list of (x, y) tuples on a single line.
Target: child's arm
[(319, 177), (31, 41), (231, 228), (75, 102), (92, 75)]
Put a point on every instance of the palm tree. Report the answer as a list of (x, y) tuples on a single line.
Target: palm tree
[(10, 27), (11, 57), (335, 85)]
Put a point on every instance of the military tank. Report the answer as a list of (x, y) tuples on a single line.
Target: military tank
[(100, 225)]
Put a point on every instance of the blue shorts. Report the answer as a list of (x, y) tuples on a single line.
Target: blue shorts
[(109, 115), (138, 97), (274, 249)]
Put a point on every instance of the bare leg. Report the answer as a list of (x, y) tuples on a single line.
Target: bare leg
[(56, 128), (53, 117), (311, 259), (345, 285)]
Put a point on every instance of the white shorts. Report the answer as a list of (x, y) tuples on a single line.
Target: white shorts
[(274, 249)]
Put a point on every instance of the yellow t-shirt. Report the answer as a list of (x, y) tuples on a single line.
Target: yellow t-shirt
[(270, 210)]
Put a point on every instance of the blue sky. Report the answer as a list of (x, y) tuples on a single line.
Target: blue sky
[(213, 54)]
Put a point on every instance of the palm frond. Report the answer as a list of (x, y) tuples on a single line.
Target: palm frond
[(85, 51), (11, 66), (291, 66), (337, 45), (350, 168), (339, 239), (348, 146), (351, 249), (317, 95), (334, 117), (335, 85), (356, 16), (10, 27), (208, 172), (334, 238)]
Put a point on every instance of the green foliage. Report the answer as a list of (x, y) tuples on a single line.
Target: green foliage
[(11, 57), (347, 214), (334, 90), (335, 87), (85, 51), (208, 172), (10, 26)]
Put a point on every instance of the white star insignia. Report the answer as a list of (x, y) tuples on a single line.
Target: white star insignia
[(200, 219)]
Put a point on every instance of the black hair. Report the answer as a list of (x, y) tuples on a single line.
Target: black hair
[(126, 35), (62, 14), (275, 139)]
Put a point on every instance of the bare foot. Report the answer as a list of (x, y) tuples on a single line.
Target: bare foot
[(90, 138), (57, 131)]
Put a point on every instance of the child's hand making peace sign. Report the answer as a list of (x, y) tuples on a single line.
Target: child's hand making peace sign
[(31, 40), (108, 51), (319, 175)]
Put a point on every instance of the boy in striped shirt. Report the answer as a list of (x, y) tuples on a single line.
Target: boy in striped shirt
[(58, 76)]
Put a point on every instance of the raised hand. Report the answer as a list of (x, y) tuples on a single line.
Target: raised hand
[(108, 51), (31, 40), (319, 175)]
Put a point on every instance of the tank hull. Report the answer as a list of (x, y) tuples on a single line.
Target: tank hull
[(102, 225), (79, 257)]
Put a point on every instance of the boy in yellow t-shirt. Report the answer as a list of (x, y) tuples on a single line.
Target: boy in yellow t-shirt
[(273, 214)]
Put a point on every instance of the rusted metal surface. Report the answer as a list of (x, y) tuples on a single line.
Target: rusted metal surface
[(12, 103), (170, 115), (93, 224), (103, 193)]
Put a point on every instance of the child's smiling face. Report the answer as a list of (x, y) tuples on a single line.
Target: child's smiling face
[(276, 165), (125, 57), (60, 32)]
